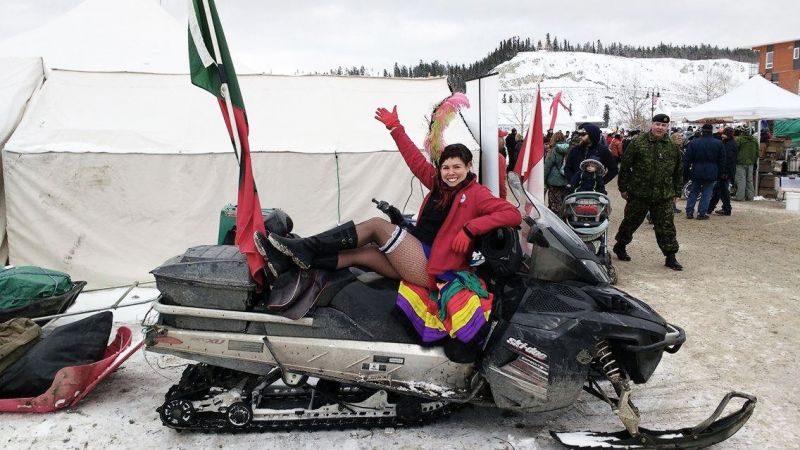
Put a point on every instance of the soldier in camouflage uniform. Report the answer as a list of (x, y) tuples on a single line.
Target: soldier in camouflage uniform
[(650, 179)]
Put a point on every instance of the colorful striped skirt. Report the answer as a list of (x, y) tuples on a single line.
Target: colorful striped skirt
[(459, 309)]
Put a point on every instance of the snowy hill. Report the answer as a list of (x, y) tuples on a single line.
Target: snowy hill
[(589, 81)]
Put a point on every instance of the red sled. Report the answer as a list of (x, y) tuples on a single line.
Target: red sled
[(72, 384)]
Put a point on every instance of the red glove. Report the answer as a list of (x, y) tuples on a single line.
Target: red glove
[(461, 242), (388, 118)]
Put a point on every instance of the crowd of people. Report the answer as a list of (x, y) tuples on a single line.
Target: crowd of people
[(653, 168)]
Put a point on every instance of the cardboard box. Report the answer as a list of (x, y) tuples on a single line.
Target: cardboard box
[(765, 165), (766, 186)]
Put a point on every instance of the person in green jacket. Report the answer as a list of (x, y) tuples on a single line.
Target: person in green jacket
[(651, 179), (554, 177), (748, 156)]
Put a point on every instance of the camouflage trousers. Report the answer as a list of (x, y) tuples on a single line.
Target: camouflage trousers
[(663, 216)]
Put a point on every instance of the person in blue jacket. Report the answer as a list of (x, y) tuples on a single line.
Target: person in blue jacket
[(703, 162), (727, 174)]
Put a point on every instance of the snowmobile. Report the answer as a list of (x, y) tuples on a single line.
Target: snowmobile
[(557, 328)]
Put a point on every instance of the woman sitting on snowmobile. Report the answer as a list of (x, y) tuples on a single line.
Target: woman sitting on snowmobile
[(455, 211)]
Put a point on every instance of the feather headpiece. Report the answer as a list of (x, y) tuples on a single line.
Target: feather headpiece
[(442, 115)]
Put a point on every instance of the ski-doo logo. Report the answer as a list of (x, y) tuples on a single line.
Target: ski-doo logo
[(526, 348)]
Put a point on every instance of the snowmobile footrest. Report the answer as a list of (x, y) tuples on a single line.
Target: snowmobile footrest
[(709, 432)]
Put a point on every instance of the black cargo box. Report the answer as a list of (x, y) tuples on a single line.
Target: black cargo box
[(208, 276)]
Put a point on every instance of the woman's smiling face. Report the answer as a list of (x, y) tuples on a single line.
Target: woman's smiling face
[(454, 171)]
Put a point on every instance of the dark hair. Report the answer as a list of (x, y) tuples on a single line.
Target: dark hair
[(459, 151)]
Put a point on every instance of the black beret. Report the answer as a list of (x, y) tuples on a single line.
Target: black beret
[(663, 118)]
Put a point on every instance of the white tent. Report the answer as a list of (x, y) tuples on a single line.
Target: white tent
[(19, 78), (109, 174), (754, 99), (107, 36)]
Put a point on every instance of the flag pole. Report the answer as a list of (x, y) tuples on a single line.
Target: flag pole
[(237, 145)]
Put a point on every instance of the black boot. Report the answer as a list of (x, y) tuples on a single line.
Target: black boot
[(621, 253), (325, 262), (672, 263), (303, 251), (277, 262)]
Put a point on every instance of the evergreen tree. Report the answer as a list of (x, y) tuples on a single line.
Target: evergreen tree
[(606, 114), (547, 43)]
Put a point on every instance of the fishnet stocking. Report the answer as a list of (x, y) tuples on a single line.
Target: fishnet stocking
[(406, 261)]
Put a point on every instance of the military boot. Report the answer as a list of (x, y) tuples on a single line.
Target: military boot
[(621, 253), (672, 262), (304, 251)]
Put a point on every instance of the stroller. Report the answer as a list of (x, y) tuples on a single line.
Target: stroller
[(587, 213)]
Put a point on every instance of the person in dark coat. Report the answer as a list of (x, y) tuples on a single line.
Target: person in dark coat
[(727, 174), (590, 145), (702, 164), (511, 147)]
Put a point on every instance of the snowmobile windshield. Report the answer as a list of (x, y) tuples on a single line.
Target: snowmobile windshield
[(553, 252)]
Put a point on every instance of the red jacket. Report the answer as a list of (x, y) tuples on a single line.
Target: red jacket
[(475, 209), (615, 147)]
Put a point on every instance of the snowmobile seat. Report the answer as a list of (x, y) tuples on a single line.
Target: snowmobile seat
[(372, 308), (336, 281)]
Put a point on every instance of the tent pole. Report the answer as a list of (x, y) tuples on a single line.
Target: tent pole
[(758, 138)]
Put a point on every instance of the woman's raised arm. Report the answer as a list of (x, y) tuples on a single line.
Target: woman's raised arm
[(419, 165)]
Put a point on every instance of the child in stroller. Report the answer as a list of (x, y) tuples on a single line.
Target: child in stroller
[(587, 209), (589, 178)]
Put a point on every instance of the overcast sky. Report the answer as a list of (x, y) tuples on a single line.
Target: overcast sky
[(290, 35)]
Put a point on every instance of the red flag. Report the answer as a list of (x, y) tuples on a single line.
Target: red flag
[(554, 109), (530, 163), (212, 69)]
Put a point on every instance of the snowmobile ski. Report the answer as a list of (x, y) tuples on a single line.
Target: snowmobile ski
[(709, 432)]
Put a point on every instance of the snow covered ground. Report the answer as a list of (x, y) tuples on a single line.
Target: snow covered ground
[(737, 300)]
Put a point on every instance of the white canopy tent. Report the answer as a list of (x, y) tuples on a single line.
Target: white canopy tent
[(109, 174), (754, 99), (19, 78)]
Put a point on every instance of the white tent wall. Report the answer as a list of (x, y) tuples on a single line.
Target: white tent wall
[(19, 78), (108, 175)]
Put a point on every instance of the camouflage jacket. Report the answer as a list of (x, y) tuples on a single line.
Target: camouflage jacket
[(650, 168)]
